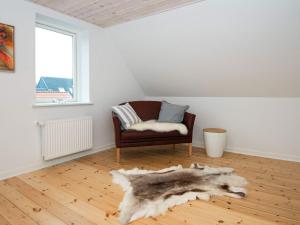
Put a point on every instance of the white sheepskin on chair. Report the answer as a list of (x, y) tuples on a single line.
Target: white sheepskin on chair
[(159, 127)]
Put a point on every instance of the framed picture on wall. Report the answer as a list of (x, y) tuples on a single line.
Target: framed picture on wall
[(7, 47)]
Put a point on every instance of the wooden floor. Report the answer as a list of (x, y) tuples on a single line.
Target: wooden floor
[(80, 192)]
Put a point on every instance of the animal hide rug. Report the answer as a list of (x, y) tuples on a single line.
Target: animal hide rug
[(151, 193)]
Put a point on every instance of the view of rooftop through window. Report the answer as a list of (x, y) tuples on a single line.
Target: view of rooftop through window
[(55, 65)]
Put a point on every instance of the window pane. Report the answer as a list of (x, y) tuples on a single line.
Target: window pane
[(54, 65)]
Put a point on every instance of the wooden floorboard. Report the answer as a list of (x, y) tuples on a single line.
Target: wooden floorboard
[(81, 192)]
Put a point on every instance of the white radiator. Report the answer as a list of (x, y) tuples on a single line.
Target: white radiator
[(66, 136)]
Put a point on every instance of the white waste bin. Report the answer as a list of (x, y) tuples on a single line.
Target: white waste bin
[(215, 141)]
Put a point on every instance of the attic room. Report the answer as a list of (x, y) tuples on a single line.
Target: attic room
[(150, 112)]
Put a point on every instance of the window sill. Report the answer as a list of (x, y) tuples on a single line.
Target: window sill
[(61, 104)]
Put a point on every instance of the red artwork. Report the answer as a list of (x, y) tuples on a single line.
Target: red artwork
[(7, 61)]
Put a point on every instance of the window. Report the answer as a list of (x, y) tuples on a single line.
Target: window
[(56, 65)]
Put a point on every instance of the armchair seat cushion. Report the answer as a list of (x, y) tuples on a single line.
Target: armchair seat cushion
[(148, 134)]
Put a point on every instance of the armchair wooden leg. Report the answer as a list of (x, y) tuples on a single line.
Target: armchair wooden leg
[(174, 146), (190, 149), (118, 150)]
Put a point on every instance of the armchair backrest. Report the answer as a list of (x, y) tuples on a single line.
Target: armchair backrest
[(146, 110)]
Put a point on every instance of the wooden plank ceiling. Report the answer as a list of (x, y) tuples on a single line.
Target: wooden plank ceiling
[(106, 13)]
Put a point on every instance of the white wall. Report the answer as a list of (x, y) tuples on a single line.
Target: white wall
[(232, 48), (215, 49), (227, 60), (111, 83), (266, 127)]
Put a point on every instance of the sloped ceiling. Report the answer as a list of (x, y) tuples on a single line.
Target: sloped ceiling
[(248, 48), (106, 13)]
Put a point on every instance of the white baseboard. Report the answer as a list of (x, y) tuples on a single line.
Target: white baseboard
[(254, 152), (43, 164)]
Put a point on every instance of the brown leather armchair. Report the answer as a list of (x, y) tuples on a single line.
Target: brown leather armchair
[(149, 110)]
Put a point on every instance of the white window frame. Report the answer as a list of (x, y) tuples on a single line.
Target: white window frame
[(75, 88)]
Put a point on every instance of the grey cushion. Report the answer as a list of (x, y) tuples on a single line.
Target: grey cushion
[(172, 113)]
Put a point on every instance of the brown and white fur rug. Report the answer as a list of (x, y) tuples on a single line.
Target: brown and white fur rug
[(151, 193)]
